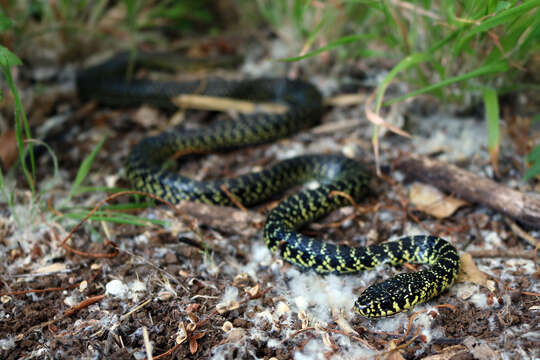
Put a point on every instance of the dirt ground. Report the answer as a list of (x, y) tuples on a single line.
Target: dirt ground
[(205, 286)]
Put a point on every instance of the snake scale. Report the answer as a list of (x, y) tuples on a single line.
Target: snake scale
[(334, 173)]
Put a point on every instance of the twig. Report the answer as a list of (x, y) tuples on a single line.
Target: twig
[(83, 304), (346, 100), (521, 233), (530, 293), (446, 306), (147, 344), (136, 308), (213, 103), (233, 198), (330, 128), (297, 332), (502, 253), (409, 327), (524, 207)]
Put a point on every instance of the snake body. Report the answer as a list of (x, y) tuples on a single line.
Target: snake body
[(334, 173)]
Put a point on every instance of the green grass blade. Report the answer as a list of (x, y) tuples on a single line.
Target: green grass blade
[(51, 153), (504, 16), (534, 155), (496, 67), (2, 185), (404, 64), (532, 171), (84, 169), (117, 207), (342, 41), (92, 189), (445, 41), (491, 103), (129, 206), (118, 218), (534, 159), (314, 33), (8, 59)]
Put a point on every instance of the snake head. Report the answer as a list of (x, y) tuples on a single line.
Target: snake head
[(394, 295)]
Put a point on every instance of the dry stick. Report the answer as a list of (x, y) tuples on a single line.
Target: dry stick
[(530, 293), (525, 208), (502, 253), (409, 327), (297, 332), (83, 304), (446, 306), (233, 198), (520, 232), (147, 344)]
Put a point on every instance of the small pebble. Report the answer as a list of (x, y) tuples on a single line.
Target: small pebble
[(116, 288)]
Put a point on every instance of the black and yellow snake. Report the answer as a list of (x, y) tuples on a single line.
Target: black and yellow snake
[(334, 173)]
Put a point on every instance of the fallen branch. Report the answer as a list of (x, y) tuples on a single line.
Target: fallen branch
[(524, 207)]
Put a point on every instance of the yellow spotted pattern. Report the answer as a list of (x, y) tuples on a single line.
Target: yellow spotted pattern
[(281, 230)]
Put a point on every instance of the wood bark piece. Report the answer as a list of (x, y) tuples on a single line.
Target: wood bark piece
[(524, 207)]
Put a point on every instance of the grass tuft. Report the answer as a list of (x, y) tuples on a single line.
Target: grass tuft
[(449, 49)]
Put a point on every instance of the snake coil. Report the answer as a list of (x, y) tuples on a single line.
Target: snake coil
[(334, 173)]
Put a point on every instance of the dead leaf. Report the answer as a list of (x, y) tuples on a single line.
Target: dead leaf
[(236, 335), (395, 355), (470, 272), (378, 120), (433, 202), (394, 352), (50, 269), (8, 149), (193, 346), (480, 350), (342, 322)]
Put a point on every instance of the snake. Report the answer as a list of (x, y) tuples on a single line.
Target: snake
[(335, 175)]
